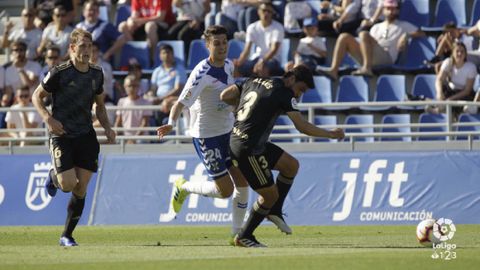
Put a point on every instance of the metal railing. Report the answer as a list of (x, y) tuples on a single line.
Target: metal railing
[(310, 108)]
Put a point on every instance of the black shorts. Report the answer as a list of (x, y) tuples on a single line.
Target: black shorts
[(79, 152), (257, 169)]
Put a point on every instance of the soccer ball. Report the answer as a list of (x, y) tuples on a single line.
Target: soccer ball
[(425, 233)]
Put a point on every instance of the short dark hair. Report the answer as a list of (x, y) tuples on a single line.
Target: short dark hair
[(302, 74), (19, 43), (214, 30), (53, 48), (167, 47)]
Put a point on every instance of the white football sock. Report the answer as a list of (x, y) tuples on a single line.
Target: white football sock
[(239, 208), (206, 188)]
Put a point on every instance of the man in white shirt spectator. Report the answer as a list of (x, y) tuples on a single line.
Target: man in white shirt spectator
[(22, 119), (20, 72), (267, 36), (28, 33), (380, 46)]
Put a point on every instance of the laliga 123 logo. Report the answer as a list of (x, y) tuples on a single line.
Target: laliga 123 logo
[(36, 196), (444, 230)]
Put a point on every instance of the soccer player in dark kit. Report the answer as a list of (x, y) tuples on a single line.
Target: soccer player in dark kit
[(259, 102), (74, 85)]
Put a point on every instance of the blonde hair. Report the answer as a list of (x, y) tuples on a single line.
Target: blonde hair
[(78, 34)]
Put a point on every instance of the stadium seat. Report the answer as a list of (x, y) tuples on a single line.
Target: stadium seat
[(428, 118), (419, 50), (348, 63), (123, 12), (448, 11), (475, 16), (322, 93), (423, 87), (325, 120), (351, 89), (235, 48), (396, 119), (178, 51), (468, 118), (197, 52), (284, 120), (416, 12), (359, 119), (389, 88), (137, 50), (315, 5)]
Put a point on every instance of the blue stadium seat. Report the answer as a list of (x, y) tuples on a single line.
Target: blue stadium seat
[(396, 119), (123, 12), (423, 87), (448, 11), (359, 119), (197, 52), (315, 5), (351, 89), (235, 48), (419, 50), (178, 51), (389, 88), (325, 120), (322, 93), (475, 16), (428, 118), (416, 12), (468, 118), (284, 120), (348, 63), (138, 50)]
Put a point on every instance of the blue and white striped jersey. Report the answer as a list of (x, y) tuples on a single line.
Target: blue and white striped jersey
[(209, 116)]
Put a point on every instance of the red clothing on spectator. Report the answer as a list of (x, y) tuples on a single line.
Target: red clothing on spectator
[(150, 8)]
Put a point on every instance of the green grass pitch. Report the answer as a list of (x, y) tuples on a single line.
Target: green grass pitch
[(196, 247)]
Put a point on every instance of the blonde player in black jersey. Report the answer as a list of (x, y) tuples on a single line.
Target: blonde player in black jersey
[(74, 86), (259, 102)]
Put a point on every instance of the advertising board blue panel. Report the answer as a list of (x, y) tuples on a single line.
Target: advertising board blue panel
[(331, 188), (23, 198)]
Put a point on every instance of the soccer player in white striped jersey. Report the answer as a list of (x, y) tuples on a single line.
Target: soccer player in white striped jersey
[(211, 121)]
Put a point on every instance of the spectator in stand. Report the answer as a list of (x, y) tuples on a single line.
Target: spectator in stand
[(190, 21), (104, 34), (267, 35), (150, 20), (380, 46), (248, 14), (23, 119), (330, 13), (57, 33), (358, 16), (130, 119), (167, 82), (474, 55), (46, 8), (20, 71), (295, 11), (96, 58), (229, 15), (52, 58), (169, 78), (28, 33), (311, 50), (445, 43), (455, 79)]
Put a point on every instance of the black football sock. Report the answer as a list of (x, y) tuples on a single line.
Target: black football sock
[(283, 185), (257, 214), (74, 212)]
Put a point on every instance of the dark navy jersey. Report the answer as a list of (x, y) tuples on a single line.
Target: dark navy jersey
[(73, 93), (261, 102)]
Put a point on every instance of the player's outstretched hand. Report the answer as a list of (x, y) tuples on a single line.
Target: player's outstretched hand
[(111, 135), (337, 133), (164, 130)]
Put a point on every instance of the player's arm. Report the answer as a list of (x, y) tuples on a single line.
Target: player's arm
[(101, 113), (175, 112), (308, 128), (231, 95), (54, 126)]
